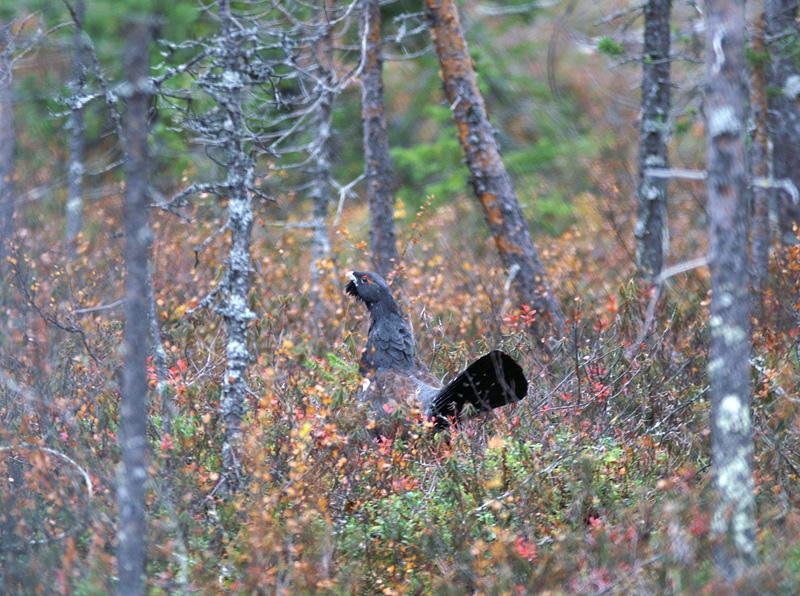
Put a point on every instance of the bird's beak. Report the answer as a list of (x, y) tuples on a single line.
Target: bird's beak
[(352, 287)]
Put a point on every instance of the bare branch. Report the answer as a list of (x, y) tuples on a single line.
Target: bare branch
[(677, 173), (658, 284), (86, 478), (83, 311), (344, 192)]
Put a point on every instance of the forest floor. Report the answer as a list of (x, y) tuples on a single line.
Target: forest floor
[(598, 482)]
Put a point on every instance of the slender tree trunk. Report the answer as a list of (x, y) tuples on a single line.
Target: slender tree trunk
[(7, 143), (159, 355), (167, 473), (132, 521), (784, 121), (12, 574), (652, 232), (729, 360), (236, 286), (488, 174), (321, 186), (760, 238), (378, 163), (76, 129)]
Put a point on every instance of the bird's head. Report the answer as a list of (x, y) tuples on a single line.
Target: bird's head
[(368, 287)]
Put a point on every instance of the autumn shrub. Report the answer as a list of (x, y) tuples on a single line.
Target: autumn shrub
[(597, 482)]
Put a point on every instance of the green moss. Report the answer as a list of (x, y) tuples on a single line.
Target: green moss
[(756, 58), (610, 47)]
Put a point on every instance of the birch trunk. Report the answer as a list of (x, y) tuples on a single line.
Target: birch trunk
[(652, 232), (159, 354), (733, 520), (76, 129), (132, 521), (488, 174), (321, 187), (167, 474), (377, 161), (7, 143)]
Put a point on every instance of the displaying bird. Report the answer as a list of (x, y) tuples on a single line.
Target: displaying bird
[(393, 375)]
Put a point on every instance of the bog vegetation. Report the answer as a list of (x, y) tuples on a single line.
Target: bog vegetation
[(600, 481)]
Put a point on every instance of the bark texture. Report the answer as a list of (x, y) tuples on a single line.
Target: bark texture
[(488, 174), (377, 162), (7, 142), (652, 232), (760, 238), (733, 520), (76, 129), (784, 120), (321, 185), (236, 285), (132, 522)]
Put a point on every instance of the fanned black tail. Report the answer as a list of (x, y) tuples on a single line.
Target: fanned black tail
[(492, 381)]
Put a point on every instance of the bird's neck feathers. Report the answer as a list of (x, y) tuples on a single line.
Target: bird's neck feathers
[(384, 308), (390, 343)]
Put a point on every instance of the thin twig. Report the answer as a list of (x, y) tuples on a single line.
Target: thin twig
[(656, 293), (343, 192), (69, 327), (86, 478), (83, 311)]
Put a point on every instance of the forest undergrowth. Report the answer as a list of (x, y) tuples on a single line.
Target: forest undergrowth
[(598, 482)]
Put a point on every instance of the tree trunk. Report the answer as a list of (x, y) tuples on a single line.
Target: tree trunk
[(729, 360), (377, 162), (159, 354), (7, 143), (652, 232), (167, 472), (236, 285), (321, 186), (76, 129), (784, 121), (488, 174), (132, 521), (321, 183), (321, 190), (760, 158)]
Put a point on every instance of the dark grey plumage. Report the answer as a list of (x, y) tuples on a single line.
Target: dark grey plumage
[(393, 372), (390, 344)]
